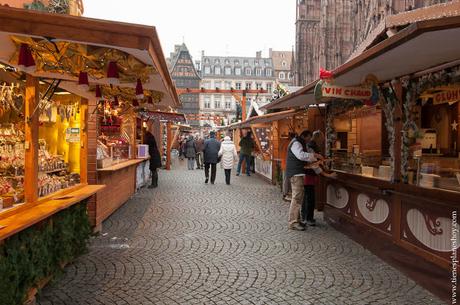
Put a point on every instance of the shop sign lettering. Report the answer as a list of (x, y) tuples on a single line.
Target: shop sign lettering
[(448, 96), (72, 135), (353, 93)]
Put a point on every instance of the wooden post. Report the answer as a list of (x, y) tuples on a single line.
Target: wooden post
[(243, 107), (134, 137), (31, 139), (84, 141), (275, 140), (168, 145)]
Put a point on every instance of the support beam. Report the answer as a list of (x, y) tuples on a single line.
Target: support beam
[(31, 139), (84, 141)]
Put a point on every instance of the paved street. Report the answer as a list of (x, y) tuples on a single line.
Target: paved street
[(191, 243)]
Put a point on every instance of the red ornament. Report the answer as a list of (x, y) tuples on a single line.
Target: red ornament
[(83, 81), (98, 93), (135, 103), (325, 74), (139, 90), (26, 60), (150, 100), (112, 73)]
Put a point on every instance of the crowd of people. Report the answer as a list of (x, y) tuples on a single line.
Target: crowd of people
[(304, 164)]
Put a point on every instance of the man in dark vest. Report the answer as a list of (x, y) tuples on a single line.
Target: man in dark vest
[(296, 160)]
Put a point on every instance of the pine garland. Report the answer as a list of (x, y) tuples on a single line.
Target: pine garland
[(39, 252)]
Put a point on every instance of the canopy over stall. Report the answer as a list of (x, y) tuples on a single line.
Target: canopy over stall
[(67, 46)]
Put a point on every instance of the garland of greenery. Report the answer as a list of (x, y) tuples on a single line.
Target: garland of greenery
[(388, 108), (40, 251)]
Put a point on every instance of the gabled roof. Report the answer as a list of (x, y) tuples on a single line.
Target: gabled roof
[(180, 49)]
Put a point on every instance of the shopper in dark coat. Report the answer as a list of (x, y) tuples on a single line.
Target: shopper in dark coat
[(211, 156), (190, 152), (155, 157)]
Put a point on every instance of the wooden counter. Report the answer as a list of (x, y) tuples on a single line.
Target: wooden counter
[(44, 209), (407, 226), (120, 182)]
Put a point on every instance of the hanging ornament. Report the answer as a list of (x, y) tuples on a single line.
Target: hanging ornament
[(150, 100), (454, 126), (139, 90), (135, 103), (83, 81), (112, 73), (26, 60), (98, 93)]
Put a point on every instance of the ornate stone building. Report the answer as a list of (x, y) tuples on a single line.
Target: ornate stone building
[(72, 7), (328, 31)]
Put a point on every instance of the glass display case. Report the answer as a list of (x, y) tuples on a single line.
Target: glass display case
[(359, 143)]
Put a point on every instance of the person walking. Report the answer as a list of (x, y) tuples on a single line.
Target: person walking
[(295, 171), (155, 158), (246, 149), (190, 152), (211, 156), (229, 156), (199, 152)]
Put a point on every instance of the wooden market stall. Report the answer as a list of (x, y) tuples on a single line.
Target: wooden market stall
[(391, 127), (65, 82)]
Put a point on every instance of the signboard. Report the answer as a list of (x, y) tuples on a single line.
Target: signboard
[(72, 135), (263, 167), (352, 93), (448, 96)]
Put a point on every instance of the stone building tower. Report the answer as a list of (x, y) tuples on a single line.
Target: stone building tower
[(328, 31)]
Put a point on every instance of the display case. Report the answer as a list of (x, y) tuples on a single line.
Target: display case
[(357, 141)]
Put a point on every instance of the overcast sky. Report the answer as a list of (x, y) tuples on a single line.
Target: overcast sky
[(235, 27)]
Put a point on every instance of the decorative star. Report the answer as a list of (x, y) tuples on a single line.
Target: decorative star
[(454, 125)]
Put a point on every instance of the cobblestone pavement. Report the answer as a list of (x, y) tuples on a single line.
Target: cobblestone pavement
[(191, 243)]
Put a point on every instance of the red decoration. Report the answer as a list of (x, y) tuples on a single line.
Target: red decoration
[(83, 81), (98, 93), (139, 90), (26, 60), (325, 74), (112, 73), (150, 100), (135, 103)]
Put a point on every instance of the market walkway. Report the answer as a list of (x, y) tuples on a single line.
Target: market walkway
[(191, 243)]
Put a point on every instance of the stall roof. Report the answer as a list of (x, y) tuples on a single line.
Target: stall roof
[(139, 45), (263, 119), (420, 46)]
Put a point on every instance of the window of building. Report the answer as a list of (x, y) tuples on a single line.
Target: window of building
[(284, 63), (289, 75), (269, 87), (246, 63), (237, 71), (206, 60), (228, 85), (282, 55), (227, 62), (282, 75), (207, 102), (256, 62), (248, 86), (228, 70), (218, 84), (247, 71), (217, 70), (236, 62), (228, 103), (258, 86), (207, 70), (216, 61), (206, 85), (268, 72), (217, 104), (238, 86), (258, 71)]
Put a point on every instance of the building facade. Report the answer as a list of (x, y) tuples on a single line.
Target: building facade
[(327, 32), (282, 65), (221, 72), (72, 7), (185, 75)]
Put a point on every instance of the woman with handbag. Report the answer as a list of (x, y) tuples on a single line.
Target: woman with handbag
[(229, 156)]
